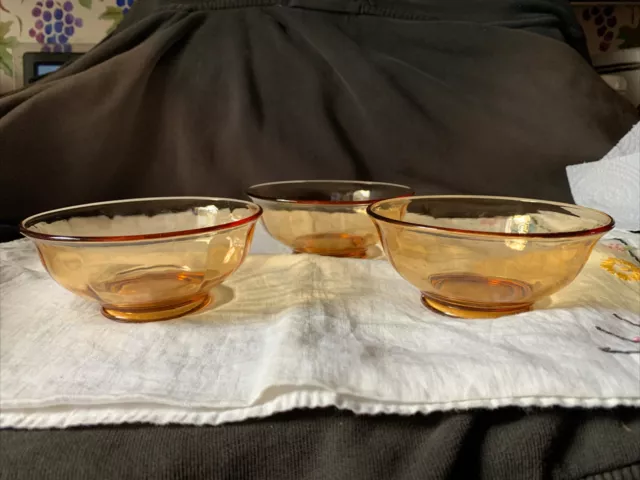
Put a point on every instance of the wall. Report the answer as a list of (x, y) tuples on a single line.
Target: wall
[(609, 27), (64, 25), (51, 25)]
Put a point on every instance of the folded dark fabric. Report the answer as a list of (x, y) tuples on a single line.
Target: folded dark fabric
[(505, 444), (206, 98)]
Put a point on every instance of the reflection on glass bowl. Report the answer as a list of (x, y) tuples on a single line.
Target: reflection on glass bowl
[(323, 217), (484, 257), (145, 259)]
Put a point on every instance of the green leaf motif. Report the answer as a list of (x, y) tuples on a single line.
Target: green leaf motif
[(114, 15), (4, 28), (6, 61), (6, 45), (111, 13), (85, 3)]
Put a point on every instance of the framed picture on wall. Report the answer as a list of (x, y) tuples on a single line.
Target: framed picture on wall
[(36, 65)]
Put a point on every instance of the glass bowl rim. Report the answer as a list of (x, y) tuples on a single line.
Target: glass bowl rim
[(24, 230), (410, 192), (578, 233)]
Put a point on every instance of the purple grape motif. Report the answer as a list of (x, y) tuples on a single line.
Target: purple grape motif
[(125, 5), (54, 24), (604, 19)]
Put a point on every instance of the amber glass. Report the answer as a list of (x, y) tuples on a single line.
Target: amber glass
[(146, 259), (324, 217), (484, 257)]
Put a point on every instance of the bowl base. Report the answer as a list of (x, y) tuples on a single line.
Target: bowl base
[(155, 313), (485, 296), (470, 313), (333, 245), (350, 254)]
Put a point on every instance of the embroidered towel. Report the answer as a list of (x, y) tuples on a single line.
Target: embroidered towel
[(295, 331)]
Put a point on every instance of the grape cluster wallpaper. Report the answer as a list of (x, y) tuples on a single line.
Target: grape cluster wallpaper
[(52, 26), (609, 27), (76, 25)]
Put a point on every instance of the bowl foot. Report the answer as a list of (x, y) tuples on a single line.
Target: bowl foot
[(155, 313), (333, 245), (349, 254), (471, 312), (469, 295)]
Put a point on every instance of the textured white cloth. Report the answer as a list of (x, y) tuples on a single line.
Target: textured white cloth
[(613, 183), (295, 331)]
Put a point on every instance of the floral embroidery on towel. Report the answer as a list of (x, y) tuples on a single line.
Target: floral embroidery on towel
[(622, 246), (622, 269), (618, 247), (635, 339)]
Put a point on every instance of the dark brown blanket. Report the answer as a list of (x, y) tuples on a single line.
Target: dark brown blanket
[(506, 444), (207, 98)]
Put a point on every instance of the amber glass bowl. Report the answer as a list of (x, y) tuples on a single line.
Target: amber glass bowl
[(484, 257), (324, 217), (145, 259)]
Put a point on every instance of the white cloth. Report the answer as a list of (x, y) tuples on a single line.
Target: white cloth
[(295, 331), (613, 183)]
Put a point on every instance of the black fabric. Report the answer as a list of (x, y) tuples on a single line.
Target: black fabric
[(507, 444), (207, 98)]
